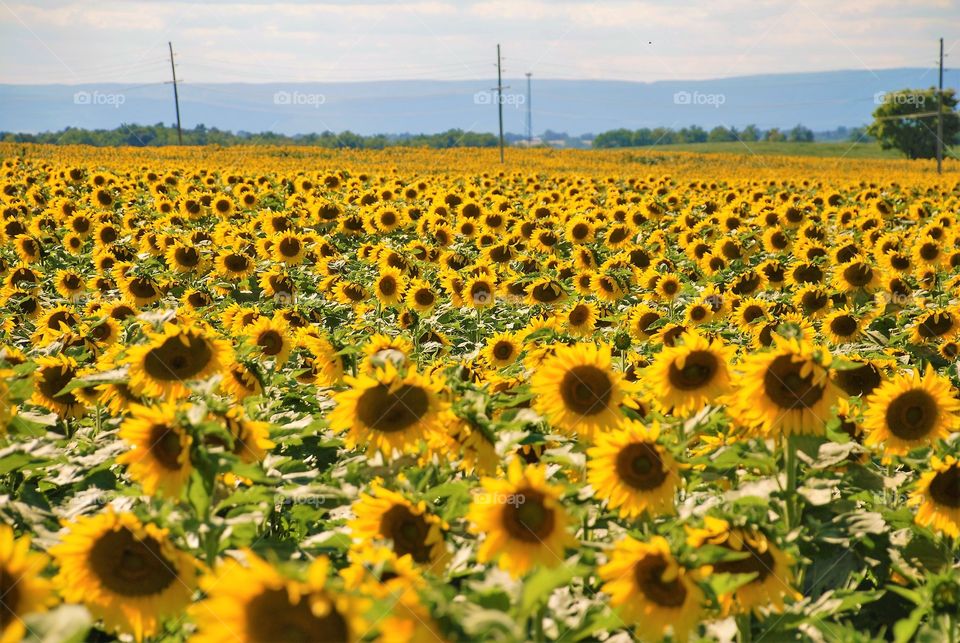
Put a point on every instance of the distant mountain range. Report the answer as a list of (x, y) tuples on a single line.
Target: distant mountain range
[(820, 101)]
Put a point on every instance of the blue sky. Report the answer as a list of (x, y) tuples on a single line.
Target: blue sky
[(88, 41)]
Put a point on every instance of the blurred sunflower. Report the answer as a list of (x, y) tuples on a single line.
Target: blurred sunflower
[(411, 528), (652, 590), (128, 574), (159, 455), (163, 365), (255, 603), (633, 473), (937, 496), (23, 590), (751, 552), (690, 374), (522, 519), (785, 390)]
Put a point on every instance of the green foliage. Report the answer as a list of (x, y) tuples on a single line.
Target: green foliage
[(907, 120)]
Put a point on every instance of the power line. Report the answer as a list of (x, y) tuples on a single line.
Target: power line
[(940, 115), (176, 96), (500, 100)]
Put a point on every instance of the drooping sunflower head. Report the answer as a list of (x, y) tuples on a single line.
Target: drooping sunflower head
[(651, 589), (632, 472), (577, 389), (911, 411), (127, 573)]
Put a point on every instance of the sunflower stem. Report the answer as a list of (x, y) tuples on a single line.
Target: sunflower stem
[(743, 627), (790, 464)]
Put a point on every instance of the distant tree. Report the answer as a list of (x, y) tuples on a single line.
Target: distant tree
[(774, 135), (692, 134), (907, 120), (642, 136), (800, 134), (721, 134), (614, 138), (750, 134), (859, 135)]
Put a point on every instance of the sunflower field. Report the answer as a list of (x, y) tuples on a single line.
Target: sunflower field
[(278, 394)]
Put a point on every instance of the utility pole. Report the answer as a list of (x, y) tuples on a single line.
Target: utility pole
[(529, 113), (500, 101), (176, 96), (940, 115)]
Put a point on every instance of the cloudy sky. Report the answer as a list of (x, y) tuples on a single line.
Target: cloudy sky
[(87, 41)]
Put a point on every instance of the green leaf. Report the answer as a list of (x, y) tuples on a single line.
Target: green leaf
[(904, 629), (540, 584), (197, 494)]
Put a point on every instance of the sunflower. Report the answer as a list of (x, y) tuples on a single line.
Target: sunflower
[(785, 390), (125, 572), (413, 530), (842, 326), (389, 411), (251, 438), (502, 350), (184, 257), (580, 319), (389, 286), (162, 366), (942, 322), (938, 495), (382, 348), (577, 390), (688, 375), (289, 248), (159, 457), (751, 553), (631, 472), (22, 589), (53, 374), (522, 518), (546, 291), (233, 265), (421, 296), (910, 411), (272, 337), (652, 590), (241, 381), (255, 603), (479, 292)]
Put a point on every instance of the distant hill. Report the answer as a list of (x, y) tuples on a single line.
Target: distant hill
[(821, 101)]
